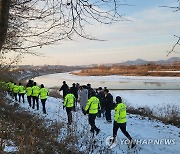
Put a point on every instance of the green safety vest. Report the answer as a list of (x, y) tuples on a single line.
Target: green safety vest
[(15, 89), (11, 86), (69, 100), (29, 91), (120, 113), (92, 105), (35, 91), (22, 90), (43, 93)]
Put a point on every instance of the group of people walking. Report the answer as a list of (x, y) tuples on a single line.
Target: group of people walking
[(95, 103), (32, 91)]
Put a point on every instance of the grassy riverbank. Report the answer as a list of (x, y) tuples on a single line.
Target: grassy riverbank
[(133, 70)]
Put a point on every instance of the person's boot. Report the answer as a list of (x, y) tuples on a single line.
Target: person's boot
[(112, 140), (69, 119), (92, 130), (133, 144), (97, 131)]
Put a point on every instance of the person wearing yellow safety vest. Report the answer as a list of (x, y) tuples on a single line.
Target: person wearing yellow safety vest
[(11, 85), (43, 96), (69, 103), (120, 120), (35, 95), (21, 92), (15, 90), (92, 108), (29, 93)]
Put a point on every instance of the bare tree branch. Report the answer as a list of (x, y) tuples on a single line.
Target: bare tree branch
[(174, 46), (37, 23), (175, 9)]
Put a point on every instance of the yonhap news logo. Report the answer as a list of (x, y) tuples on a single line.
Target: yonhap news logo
[(149, 141), (160, 141)]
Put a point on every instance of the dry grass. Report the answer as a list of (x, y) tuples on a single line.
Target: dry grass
[(30, 133), (168, 114), (54, 92), (133, 70)]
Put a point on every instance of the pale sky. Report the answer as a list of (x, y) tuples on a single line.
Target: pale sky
[(149, 35)]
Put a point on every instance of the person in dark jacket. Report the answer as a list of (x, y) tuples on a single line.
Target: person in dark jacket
[(101, 97), (108, 105), (64, 88), (90, 90)]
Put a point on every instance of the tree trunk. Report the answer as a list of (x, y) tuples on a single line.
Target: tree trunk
[(4, 15)]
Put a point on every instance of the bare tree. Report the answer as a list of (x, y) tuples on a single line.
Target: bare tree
[(28, 24), (35, 23), (175, 9), (4, 16)]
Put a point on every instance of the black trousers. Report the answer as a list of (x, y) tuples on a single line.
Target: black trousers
[(43, 101), (15, 96), (21, 95), (69, 114), (83, 111), (108, 114), (92, 118), (122, 126), (29, 100), (101, 112), (35, 100)]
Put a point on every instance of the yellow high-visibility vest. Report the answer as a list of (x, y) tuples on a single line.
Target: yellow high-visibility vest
[(120, 113), (15, 89), (22, 90), (11, 86), (69, 100), (35, 91), (29, 91), (43, 93), (92, 105)]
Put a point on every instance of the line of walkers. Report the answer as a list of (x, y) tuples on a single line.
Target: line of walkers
[(83, 93), (96, 103), (32, 91)]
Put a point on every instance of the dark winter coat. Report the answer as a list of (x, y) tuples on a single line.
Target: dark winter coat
[(74, 91), (101, 97), (65, 89), (108, 102)]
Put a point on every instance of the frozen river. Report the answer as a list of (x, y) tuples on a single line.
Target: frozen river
[(112, 82), (138, 91)]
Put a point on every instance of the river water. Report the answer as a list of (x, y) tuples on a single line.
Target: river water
[(138, 91), (112, 82)]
